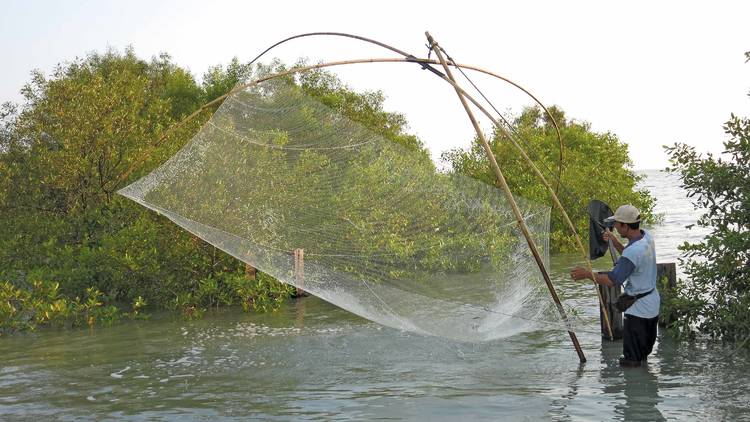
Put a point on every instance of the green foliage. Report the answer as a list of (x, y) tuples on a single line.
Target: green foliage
[(716, 296), (102, 121), (65, 150), (63, 154), (96, 124), (219, 80), (263, 294), (675, 305), (377, 185), (364, 108), (137, 309), (596, 166), (43, 304), (406, 163)]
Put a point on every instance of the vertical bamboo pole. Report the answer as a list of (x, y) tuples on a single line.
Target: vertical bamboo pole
[(609, 295), (501, 179)]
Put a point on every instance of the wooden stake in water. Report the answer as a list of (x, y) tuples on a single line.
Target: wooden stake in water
[(251, 272)]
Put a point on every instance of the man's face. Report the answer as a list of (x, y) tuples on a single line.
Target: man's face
[(620, 227)]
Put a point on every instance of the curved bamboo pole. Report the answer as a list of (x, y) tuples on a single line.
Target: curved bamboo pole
[(410, 56), (539, 103), (410, 59), (541, 177)]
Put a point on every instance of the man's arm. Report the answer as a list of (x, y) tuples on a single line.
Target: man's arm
[(623, 268), (579, 273)]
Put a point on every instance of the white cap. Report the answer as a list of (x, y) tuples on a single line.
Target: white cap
[(625, 214)]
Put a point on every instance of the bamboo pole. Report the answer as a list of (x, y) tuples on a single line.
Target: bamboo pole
[(414, 59), (609, 296), (501, 179), (149, 149)]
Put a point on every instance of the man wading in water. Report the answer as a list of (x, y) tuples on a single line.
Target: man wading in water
[(637, 266)]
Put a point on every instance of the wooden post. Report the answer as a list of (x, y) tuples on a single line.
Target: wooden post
[(509, 195), (668, 270), (251, 272), (609, 297), (299, 272)]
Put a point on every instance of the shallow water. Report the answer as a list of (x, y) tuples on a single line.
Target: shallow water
[(312, 360)]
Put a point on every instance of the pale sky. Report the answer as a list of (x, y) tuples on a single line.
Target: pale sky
[(653, 73)]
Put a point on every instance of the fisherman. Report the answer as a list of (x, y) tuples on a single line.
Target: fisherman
[(637, 266)]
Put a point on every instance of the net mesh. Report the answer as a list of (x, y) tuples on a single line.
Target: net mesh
[(383, 233)]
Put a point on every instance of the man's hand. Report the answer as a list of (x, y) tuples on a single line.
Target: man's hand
[(608, 236), (580, 273)]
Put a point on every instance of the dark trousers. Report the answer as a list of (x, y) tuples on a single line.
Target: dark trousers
[(638, 337)]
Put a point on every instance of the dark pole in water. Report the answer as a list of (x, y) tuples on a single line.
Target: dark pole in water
[(504, 185)]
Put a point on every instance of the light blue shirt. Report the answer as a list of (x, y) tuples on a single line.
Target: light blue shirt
[(642, 253)]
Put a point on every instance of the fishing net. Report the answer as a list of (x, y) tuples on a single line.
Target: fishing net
[(316, 199)]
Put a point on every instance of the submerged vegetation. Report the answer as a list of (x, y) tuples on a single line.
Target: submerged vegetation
[(42, 304)]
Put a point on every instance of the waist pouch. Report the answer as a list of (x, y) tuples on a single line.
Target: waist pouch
[(625, 300)]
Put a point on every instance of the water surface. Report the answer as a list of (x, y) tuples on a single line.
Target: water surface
[(313, 361)]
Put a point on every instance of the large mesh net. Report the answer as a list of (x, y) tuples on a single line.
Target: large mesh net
[(301, 192)]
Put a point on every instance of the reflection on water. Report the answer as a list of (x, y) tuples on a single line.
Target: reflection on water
[(638, 386), (311, 360)]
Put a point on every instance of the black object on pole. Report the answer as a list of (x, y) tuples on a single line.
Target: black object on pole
[(598, 211)]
